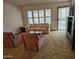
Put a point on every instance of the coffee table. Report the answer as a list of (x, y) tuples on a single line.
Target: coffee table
[(37, 33)]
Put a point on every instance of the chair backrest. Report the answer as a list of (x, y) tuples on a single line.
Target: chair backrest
[(38, 25), (8, 39), (30, 40)]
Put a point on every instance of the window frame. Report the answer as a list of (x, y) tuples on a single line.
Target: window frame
[(38, 15)]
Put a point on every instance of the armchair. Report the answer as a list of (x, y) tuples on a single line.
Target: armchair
[(32, 41), (11, 41)]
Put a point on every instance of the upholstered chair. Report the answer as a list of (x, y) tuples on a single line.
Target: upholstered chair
[(10, 40), (32, 41)]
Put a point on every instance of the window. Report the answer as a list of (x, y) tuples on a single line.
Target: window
[(35, 13), (30, 19), (39, 16), (48, 12), (41, 20), (41, 13), (48, 20), (36, 21), (48, 16)]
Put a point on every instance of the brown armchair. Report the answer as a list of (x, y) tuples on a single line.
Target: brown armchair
[(32, 41), (11, 41)]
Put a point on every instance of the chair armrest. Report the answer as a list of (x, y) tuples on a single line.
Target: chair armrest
[(40, 41), (18, 40)]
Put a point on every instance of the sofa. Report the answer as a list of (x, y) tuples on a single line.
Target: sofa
[(10, 40), (44, 27), (32, 41)]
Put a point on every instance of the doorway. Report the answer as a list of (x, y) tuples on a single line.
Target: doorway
[(63, 13)]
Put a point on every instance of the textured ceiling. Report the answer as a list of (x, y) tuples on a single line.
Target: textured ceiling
[(26, 2)]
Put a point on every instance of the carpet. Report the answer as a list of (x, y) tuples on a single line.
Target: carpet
[(56, 46)]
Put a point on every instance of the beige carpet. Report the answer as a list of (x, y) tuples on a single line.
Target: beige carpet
[(56, 46)]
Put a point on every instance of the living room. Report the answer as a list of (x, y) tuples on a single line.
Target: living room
[(37, 20)]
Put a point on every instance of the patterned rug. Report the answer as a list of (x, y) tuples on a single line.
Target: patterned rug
[(56, 46)]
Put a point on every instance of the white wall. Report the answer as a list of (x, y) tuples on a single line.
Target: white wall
[(12, 20), (53, 6)]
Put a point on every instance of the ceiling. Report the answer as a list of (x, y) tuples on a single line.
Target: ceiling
[(26, 2)]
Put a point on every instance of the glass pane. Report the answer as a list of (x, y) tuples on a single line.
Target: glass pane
[(62, 25), (67, 11), (36, 20), (48, 12), (35, 13), (41, 20), (41, 13), (29, 13), (63, 12), (30, 20), (63, 19), (48, 20), (59, 13)]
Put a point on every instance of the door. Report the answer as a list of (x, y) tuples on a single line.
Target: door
[(63, 13)]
